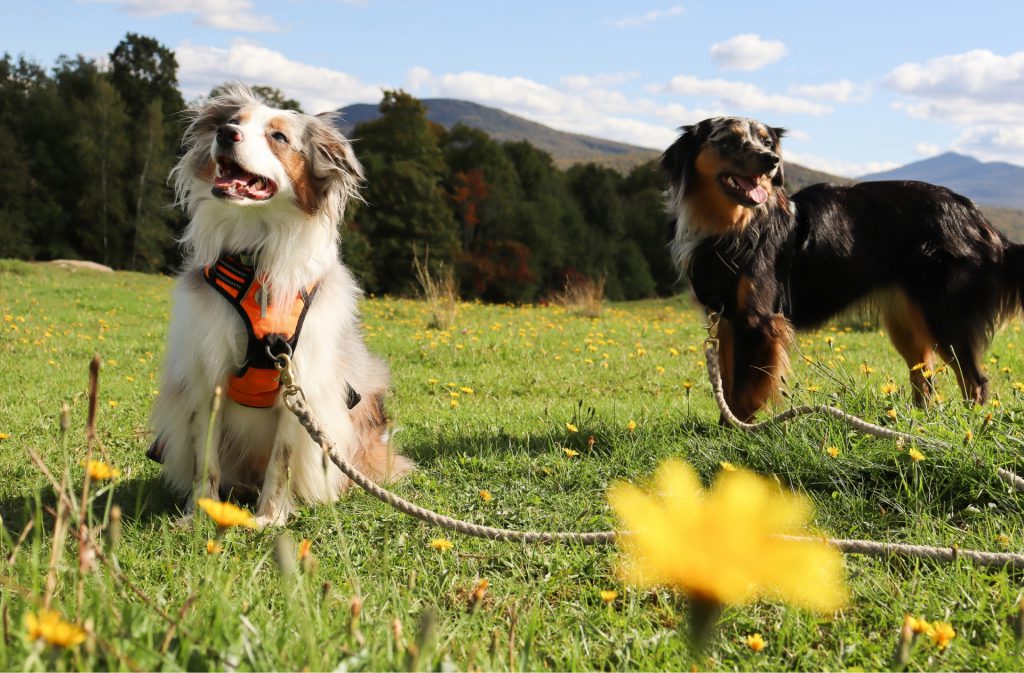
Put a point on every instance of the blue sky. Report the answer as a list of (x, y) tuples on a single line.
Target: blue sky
[(863, 86)]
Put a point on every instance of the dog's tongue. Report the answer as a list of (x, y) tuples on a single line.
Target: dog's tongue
[(755, 191)]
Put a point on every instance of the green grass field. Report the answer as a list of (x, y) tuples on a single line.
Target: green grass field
[(160, 601)]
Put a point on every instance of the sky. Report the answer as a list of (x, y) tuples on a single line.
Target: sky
[(861, 86)]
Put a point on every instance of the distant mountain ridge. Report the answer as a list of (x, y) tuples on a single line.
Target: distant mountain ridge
[(995, 183)]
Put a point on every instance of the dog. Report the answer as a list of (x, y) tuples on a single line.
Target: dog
[(941, 276), (265, 191)]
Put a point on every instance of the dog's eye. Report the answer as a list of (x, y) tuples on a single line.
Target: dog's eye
[(233, 120), (767, 141), (279, 137)]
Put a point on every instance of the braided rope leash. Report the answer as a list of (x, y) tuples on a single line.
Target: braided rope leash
[(295, 401)]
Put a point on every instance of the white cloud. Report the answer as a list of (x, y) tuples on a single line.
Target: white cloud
[(927, 149), (236, 15), (849, 169), (746, 52), (584, 82), (741, 95), (649, 17), (992, 143), (200, 68), (840, 91)]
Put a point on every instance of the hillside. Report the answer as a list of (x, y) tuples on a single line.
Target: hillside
[(995, 183)]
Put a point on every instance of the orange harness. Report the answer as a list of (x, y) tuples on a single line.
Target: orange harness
[(270, 331)]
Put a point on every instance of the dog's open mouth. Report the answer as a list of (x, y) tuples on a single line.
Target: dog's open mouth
[(234, 182), (747, 190)]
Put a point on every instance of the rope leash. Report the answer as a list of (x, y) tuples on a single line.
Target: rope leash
[(295, 401)]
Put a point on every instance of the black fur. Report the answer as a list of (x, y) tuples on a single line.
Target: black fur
[(841, 245)]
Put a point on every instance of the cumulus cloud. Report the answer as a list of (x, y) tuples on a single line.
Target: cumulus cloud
[(849, 169), (648, 18), (200, 68), (992, 143), (742, 95), (602, 80), (746, 52), (587, 109), (234, 15), (927, 149), (840, 91)]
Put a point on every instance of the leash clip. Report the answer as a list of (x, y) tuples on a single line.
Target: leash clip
[(294, 398), (713, 319)]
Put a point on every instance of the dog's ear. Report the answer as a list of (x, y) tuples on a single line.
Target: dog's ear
[(332, 160), (779, 180), (677, 161)]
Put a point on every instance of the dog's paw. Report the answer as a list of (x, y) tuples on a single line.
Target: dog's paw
[(277, 519), (185, 521)]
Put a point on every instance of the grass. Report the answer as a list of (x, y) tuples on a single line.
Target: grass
[(484, 406)]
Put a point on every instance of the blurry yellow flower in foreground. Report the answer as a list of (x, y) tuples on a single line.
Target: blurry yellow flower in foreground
[(100, 471), (724, 545), (755, 642), (941, 633), (51, 627), (226, 515), (441, 544)]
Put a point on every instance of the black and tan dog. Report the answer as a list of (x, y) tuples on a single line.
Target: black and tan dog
[(941, 275)]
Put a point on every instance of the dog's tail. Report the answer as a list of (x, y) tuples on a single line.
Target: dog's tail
[(374, 455)]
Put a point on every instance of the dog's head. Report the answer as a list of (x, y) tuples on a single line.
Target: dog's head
[(741, 158), (239, 153)]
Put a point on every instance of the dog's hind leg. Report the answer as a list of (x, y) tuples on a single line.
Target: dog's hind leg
[(913, 340), (760, 361), (965, 362)]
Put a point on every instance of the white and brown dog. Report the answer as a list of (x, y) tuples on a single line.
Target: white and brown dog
[(266, 191)]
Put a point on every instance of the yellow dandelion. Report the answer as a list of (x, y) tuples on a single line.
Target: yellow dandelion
[(49, 626), (889, 388), (455, 403), (112, 403), (918, 366), (968, 437), (305, 549), (830, 340), (571, 428), (213, 547), (486, 496), (572, 453), (723, 544), (3, 436), (942, 634), (996, 403), (866, 368), (631, 426), (673, 352), (433, 381), (915, 455), (755, 642), (467, 390), (916, 625), (100, 471), (891, 414), (832, 451), (687, 385), (441, 544), (226, 515), (608, 596), (659, 369)]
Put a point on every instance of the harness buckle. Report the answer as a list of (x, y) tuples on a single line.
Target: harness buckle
[(713, 320)]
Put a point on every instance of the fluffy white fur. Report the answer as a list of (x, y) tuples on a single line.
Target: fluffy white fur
[(295, 245)]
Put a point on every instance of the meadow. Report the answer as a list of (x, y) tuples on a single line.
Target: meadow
[(519, 417)]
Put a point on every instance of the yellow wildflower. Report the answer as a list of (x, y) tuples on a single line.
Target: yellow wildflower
[(608, 596), (917, 625), (727, 466), (305, 549), (723, 545), (49, 626), (996, 403), (755, 641), (112, 403), (891, 414), (941, 633), (915, 455), (571, 428), (100, 471), (631, 426), (486, 496), (467, 390), (213, 547), (3, 436), (918, 366), (572, 453), (441, 544), (832, 451), (889, 388), (866, 368), (455, 403), (226, 515)]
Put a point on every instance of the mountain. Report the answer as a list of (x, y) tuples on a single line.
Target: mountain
[(565, 148), (994, 183)]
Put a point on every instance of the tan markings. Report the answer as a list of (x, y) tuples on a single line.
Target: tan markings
[(768, 366), (742, 293), (912, 338), (372, 455), (713, 211), (294, 164), (243, 115)]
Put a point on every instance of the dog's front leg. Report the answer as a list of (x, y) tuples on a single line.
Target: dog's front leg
[(203, 437), (760, 360), (275, 501)]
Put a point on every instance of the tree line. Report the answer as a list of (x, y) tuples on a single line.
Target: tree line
[(85, 151)]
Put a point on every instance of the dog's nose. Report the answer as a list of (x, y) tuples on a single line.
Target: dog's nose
[(228, 135), (769, 159)]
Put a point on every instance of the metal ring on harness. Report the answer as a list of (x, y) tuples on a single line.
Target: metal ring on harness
[(275, 357)]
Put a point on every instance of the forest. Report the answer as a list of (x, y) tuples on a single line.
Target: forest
[(86, 147)]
